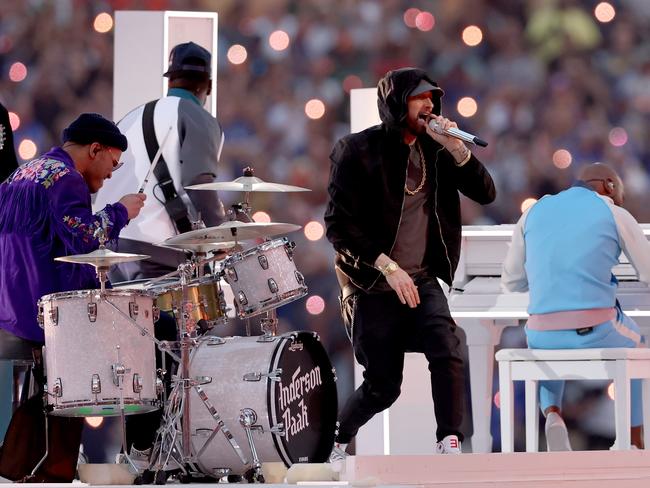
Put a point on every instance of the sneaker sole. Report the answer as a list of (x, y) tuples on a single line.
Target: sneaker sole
[(557, 439)]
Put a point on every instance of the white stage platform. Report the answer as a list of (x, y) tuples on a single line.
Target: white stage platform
[(580, 469)]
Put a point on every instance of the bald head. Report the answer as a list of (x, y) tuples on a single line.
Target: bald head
[(604, 180)]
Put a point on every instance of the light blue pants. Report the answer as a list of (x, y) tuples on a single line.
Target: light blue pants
[(621, 332)]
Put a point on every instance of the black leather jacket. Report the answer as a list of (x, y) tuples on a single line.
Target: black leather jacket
[(366, 190)]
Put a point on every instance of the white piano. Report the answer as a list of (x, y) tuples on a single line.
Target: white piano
[(483, 311)]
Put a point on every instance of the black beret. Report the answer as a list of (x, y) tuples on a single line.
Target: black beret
[(89, 128)]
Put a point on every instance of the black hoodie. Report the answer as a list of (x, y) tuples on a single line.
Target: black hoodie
[(366, 189)]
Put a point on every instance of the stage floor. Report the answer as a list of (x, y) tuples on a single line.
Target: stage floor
[(580, 469)]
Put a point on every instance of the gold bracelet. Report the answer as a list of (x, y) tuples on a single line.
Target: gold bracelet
[(389, 268)]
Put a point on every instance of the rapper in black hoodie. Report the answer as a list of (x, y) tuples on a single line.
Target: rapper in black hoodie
[(394, 220)]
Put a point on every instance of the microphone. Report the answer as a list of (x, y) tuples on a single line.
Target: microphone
[(457, 133)]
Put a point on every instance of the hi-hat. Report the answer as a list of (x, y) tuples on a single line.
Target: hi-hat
[(246, 183), (102, 258), (232, 231), (201, 248)]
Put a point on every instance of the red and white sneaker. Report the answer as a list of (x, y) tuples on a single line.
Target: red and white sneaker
[(449, 445)]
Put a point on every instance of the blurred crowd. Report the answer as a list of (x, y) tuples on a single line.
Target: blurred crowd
[(547, 76)]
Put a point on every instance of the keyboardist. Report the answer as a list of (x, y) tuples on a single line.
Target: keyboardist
[(563, 250)]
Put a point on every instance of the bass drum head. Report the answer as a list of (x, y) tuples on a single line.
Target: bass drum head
[(304, 400)]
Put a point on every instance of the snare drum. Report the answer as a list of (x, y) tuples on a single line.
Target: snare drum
[(90, 348), (287, 384), (264, 277)]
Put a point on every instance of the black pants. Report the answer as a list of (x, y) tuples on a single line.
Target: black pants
[(382, 331)]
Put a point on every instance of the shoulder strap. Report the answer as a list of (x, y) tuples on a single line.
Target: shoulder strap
[(173, 202)]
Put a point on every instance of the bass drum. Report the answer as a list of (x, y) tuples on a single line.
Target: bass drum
[(288, 383)]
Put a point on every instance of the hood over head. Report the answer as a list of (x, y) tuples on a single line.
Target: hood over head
[(395, 87)]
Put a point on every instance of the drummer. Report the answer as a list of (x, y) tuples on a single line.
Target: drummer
[(45, 212), (191, 141)]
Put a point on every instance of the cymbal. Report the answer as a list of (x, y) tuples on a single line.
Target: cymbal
[(201, 248), (246, 183), (232, 230), (102, 257)]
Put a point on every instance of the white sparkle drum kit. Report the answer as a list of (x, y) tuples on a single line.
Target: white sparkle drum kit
[(235, 402)]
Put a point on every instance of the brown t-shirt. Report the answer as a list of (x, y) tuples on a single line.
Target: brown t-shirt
[(411, 244)]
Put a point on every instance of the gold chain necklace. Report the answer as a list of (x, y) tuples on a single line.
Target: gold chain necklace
[(424, 172)]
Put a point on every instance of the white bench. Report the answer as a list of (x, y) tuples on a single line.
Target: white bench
[(532, 365)]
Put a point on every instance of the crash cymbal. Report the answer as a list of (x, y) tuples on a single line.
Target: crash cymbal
[(201, 248), (102, 257), (246, 183), (232, 230)]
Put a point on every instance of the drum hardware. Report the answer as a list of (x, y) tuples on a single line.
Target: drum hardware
[(258, 375), (95, 385), (54, 315), (137, 383), (278, 429), (269, 326), (92, 312), (247, 419), (57, 389), (215, 341), (133, 310), (119, 371)]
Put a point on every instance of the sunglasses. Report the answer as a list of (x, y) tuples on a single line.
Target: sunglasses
[(116, 163)]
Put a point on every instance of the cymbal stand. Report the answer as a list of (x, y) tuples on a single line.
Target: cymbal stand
[(186, 271)]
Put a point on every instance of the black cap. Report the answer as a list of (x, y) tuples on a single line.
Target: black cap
[(89, 128), (189, 57), (425, 86)]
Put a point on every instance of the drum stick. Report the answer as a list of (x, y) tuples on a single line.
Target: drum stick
[(155, 161)]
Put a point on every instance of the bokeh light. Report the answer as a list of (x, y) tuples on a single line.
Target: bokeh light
[(315, 108), (237, 54), (611, 391), (617, 136), (95, 422), (351, 82), (497, 399), (261, 217), (527, 203), (315, 305), (467, 106), (27, 149), (14, 121), (562, 159), (472, 35), (314, 230), (410, 15), (425, 21), (103, 23), (604, 12), (17, 72), (279, 40)]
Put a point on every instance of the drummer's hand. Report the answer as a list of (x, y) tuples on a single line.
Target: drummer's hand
[(133, 203)]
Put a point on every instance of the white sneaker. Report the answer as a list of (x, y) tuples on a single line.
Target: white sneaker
[(449, 445), (338, 453), (337, 456), (557, 436)]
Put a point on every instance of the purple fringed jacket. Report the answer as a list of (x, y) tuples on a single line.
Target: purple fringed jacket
[(45, 212)]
